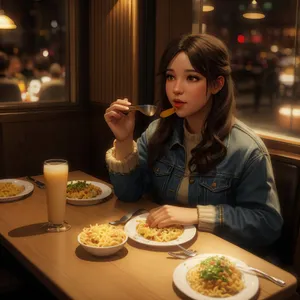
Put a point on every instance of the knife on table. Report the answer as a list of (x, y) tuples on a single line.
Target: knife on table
[(39, 184)]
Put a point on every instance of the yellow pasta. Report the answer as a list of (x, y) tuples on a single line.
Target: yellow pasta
[(216, 277), (103, 235), (8, 189), (159, 234), (82, 190)]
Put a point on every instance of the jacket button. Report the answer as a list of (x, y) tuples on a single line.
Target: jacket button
[(192, 180)]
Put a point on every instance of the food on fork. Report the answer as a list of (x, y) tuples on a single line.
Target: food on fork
[(103, 235), (9, 189), (216, 276), (159, 234), (168, 112), (82, 190)]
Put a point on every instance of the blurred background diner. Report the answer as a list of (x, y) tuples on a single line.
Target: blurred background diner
[(265, 58), (34, 43), (9, 90)]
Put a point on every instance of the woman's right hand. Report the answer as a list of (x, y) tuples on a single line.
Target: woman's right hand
[(122, 125)]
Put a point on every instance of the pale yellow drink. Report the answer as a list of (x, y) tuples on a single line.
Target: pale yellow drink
[(56, 177)]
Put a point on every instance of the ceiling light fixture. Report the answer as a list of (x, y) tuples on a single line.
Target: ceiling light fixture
[(5, 21), (208, 6), (254, 12)]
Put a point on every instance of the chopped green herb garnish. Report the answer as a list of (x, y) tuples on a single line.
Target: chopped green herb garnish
[(214, 268), (77, 186)]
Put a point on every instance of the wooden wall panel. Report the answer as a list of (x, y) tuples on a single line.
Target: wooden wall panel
[(2, 170), (27, 142), (113, 50), (297, 256), (102, 140), (118, 30), (114, 62), (173, 18)]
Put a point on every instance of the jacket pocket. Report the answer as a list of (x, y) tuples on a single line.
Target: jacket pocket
[(216, 190), (161, 175)]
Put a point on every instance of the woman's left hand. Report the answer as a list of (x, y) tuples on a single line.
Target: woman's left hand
[(172, 215)]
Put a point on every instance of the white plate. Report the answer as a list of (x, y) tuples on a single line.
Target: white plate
[(28, 189), (106, 191), (130, 228), (179, 279)]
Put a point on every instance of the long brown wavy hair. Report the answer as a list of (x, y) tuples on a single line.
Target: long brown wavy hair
[(208, 56)]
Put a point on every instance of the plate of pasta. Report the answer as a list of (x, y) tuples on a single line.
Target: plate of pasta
[(139, 231), (83, 192), (14, 189), (215, 277)]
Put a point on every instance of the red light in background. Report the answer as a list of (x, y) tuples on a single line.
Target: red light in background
[(241, 39), (256, 39)]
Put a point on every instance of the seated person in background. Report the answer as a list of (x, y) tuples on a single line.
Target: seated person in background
[(56, 72), (14, 69), (14, 73), (41, 68), (9, 90), (28, 68), (200, 157), (41, 75), (53, 90)]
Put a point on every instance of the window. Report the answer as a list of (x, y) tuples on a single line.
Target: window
[(33, 54), (265, 60)]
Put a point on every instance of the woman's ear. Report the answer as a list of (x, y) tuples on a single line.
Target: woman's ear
[(217, 85)]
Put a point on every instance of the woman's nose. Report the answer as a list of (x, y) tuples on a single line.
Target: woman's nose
[(177, 90)]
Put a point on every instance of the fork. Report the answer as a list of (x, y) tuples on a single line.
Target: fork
[(187, 251), (184, 254), (265, 275), (128, 216), (147, 109), (177, 255), (39, 184)]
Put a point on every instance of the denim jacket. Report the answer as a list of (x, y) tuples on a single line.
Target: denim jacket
[(241, 187)]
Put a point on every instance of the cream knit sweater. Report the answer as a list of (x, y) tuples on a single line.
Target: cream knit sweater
[(206, 213)]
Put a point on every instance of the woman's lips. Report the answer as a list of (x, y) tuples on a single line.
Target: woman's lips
[(178, 104)]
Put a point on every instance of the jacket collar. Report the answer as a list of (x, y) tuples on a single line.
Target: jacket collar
[(178, 134)]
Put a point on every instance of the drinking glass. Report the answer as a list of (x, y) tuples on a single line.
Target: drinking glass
[(56, 178)]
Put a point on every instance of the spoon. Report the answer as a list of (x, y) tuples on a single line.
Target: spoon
[(147, 109)]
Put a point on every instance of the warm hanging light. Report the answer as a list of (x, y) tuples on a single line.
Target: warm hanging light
[(254, 12), (5, 21), (208, 6)]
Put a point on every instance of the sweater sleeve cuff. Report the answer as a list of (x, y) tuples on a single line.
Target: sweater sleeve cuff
[(125, 165), (206, 217)]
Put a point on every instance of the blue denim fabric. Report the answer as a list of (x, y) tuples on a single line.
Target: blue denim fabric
[(242, 186)]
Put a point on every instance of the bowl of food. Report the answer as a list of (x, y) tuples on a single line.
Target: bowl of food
[(103, 239)]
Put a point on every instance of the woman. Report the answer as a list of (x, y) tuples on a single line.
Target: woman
[(201, 157)]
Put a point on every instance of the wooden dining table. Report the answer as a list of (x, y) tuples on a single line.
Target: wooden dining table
[(135, 272)]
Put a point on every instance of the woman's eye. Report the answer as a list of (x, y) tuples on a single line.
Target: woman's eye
[(169, 77), (193, 78)]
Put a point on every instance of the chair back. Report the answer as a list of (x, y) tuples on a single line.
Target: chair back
[(9, 91), (53, 92), (287, 183)]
